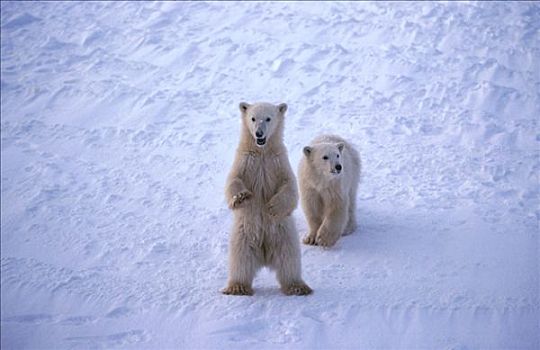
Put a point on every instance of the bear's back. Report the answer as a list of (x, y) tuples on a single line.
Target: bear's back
[(330, 138)]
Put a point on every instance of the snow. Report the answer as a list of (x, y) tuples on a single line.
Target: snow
[(119, 122)]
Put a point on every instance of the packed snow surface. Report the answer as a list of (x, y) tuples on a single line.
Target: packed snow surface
[(119, 122)]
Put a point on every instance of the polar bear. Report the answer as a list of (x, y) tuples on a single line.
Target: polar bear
[(329, 173), (261, 190)]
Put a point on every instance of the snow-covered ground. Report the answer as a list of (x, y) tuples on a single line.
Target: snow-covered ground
[(119, 123)]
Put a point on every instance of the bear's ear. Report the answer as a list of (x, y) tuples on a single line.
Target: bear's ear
[(340, 146), (282, 108), (307, 151), (244, 106)]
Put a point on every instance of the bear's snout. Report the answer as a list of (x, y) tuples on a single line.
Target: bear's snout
[(336, 169)]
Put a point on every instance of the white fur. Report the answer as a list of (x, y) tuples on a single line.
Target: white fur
[(329, 197), (261, 190)]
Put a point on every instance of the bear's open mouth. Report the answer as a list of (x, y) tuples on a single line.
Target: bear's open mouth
[(261, 141)]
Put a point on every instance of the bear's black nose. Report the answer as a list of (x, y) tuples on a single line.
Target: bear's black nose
[(259, 133), (338, 167)]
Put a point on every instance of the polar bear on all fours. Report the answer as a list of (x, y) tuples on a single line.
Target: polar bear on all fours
[(261, 190), (329, 174)]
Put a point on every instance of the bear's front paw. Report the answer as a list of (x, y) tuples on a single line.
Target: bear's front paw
[(277, 209), (237, 289), (239, 199), (310, 240), (326, 240), (297, 289)]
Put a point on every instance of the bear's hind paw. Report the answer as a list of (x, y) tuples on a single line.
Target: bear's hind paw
[(297, 289), (237, 289)]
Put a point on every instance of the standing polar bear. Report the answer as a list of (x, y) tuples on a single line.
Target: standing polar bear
[(329, 174), (262, 193)]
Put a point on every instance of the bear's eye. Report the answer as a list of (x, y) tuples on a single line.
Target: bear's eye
[(252, 119), (338, 155), (325, 158), (268, 119)]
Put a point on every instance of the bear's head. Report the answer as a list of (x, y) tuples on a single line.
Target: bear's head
[(325, 159), (263, 120)]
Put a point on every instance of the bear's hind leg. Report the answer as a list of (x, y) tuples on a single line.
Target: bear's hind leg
[(286, 262), (243, 265)]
